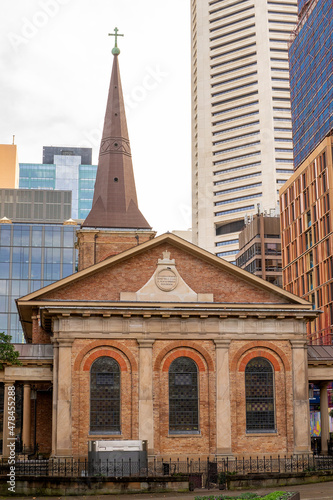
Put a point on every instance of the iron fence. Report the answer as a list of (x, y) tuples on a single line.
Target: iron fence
[(208, 470)]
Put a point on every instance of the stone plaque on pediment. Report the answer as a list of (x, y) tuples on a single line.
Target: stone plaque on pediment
[(166, 280), (165, 285)]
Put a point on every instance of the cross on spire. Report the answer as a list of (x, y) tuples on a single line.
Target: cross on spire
[(115, 50)]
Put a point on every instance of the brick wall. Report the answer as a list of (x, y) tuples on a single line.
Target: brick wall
[(281, 442), (130, 275), (43, 419), (95, 246), (194, 445), (39, 335), (126, 352), (83, 354)]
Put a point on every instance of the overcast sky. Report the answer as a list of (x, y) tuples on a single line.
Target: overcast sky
[(55, 66)]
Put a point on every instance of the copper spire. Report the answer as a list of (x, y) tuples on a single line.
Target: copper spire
[(115, 203)]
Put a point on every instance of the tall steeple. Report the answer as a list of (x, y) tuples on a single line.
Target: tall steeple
[(115, 202)]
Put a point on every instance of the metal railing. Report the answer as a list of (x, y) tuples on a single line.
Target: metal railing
[(208, 469)]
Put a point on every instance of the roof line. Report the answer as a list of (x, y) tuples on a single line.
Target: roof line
[(179, 243)]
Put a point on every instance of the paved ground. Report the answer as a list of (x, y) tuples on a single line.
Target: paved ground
[(318, 491)]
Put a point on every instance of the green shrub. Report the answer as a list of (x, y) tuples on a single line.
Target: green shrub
[(275, 495)]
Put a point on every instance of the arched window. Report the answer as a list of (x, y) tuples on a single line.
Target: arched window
[(105, 396), (259, 387), (183, 396)]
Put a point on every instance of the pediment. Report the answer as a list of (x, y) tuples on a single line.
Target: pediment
[(189, 274), (166, 285)]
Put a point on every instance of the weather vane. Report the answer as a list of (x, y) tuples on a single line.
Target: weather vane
[(115, 50)]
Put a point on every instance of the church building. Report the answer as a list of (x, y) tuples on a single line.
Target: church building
[(156, 339)]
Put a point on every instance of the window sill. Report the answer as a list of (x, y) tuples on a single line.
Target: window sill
[(263, 433), (187, 435), (103, 436)]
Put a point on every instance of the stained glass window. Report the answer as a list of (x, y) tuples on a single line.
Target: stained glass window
[(183, 396), (259, 387), (105, 396)]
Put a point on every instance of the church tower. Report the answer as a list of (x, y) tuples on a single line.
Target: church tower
[(115, 222)]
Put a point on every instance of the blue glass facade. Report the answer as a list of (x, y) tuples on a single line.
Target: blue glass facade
[(311, 79), (87, 177), (65, 173), (36, 176), (31, 256)]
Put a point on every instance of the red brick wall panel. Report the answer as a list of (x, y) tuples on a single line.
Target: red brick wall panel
[(39, 335), (84, 352), (132, 274), (93, 250), (259, 444), (171, 445)]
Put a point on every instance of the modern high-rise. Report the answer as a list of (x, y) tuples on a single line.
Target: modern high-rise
[(311, 77), (307, 197), (241, 120), (307, 237), (260, 248), (63, 168), (37, 247)]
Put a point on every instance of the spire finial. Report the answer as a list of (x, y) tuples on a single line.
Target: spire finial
[(115, 50)]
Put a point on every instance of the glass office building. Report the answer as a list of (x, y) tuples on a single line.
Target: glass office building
[(311, 77), (63, 169), (32, 255)]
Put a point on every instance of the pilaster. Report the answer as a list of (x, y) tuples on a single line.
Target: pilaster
[(55, 396), (223, 411), (302, 442), (146, 415), (63, 438), (26, 431)]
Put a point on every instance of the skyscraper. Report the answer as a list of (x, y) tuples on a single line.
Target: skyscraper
[(63, 168), (311, 77), (241, 121), (307, 197), (36, 247)]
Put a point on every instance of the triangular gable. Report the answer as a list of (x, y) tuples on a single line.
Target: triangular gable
[(129, 271)]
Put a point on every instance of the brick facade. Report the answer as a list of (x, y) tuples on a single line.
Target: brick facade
[(279, 354), (39, 335), (131, 274), (43, 420), (203, 353), (83, 354), (170, 445), (243, 318), (96, 245)]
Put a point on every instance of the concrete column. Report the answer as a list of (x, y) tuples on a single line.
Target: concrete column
[(223, 413), (146, 415), (64, 400), (324, 419), (302, 443), (55, 397), (26, 432), (6, 437)]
